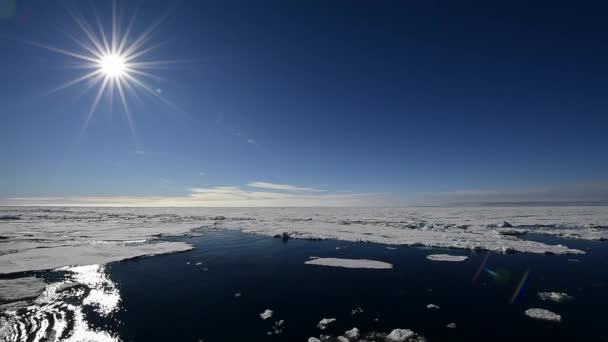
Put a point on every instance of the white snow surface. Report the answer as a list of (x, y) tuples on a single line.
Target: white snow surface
[(543, 314), (349, 263), (41, 237), (447, 257)]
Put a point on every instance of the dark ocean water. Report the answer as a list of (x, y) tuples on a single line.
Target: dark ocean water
[(171, 298)]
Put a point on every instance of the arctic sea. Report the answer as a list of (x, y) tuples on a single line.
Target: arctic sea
[(217, 291)]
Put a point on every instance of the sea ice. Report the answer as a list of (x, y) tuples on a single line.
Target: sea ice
[(325, 322), (352, 333), (558, 297), (432, 306), (266, 314), (19, 289), (451, 325), (447, 257), (543, 314), (350, 263), (313, 339), (399, 335)]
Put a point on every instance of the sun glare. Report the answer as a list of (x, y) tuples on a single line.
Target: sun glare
[(113, 65)]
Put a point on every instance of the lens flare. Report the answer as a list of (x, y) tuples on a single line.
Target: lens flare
[(520, 287)]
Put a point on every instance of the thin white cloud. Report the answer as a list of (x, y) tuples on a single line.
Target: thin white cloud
[(284, 187), (227, 196)]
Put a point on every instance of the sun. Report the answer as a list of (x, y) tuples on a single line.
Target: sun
[(113, 65), (116, 63)]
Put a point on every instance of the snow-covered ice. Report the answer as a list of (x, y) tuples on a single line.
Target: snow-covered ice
[(543, 314), (266, 314), (349, 263), (558, 297), (447, 257)]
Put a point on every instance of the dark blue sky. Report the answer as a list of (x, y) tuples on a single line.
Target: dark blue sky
[(396, 97)]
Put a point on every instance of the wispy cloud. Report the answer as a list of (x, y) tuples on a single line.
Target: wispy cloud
[(225, 196), (284, 187)]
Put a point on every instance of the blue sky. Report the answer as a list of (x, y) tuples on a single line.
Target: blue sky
[(321, 102)]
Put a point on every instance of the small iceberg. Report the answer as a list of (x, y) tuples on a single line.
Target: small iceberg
[(544, 315), (325, 322), (350, 263), (432, 306), (266, 314), (451, 325), (447, 257), (352, 333), (558, 297), (399, 335)]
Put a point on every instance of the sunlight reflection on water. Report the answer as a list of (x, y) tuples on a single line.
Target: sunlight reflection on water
[(58, 314)]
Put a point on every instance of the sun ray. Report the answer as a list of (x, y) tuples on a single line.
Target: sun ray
[(76, 81)]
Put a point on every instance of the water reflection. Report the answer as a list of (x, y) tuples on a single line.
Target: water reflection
[(60, 313)]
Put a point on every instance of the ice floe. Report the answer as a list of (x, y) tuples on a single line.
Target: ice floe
[(558, 297), (266, 314), (447, 257), (357, 310), (349, 263), (542, 314), (399, 335), (451, 325), (325, 322), (20, 289), (352, 333), (432, 306)]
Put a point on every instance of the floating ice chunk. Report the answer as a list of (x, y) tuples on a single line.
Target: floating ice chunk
[(237, 295), (558, 297), (399, 335), (543, 314), (277, 328), (313, 339), (198, 263), (391, 248), (352, 333), (266, 314), (447, 257), (350, 263), (356, 310), (325, 322), (451, 325), (20, 289), (342, 339), (432, 306)]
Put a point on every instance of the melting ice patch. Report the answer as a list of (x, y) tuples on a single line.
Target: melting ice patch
[(447, 257), (349, 263)]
